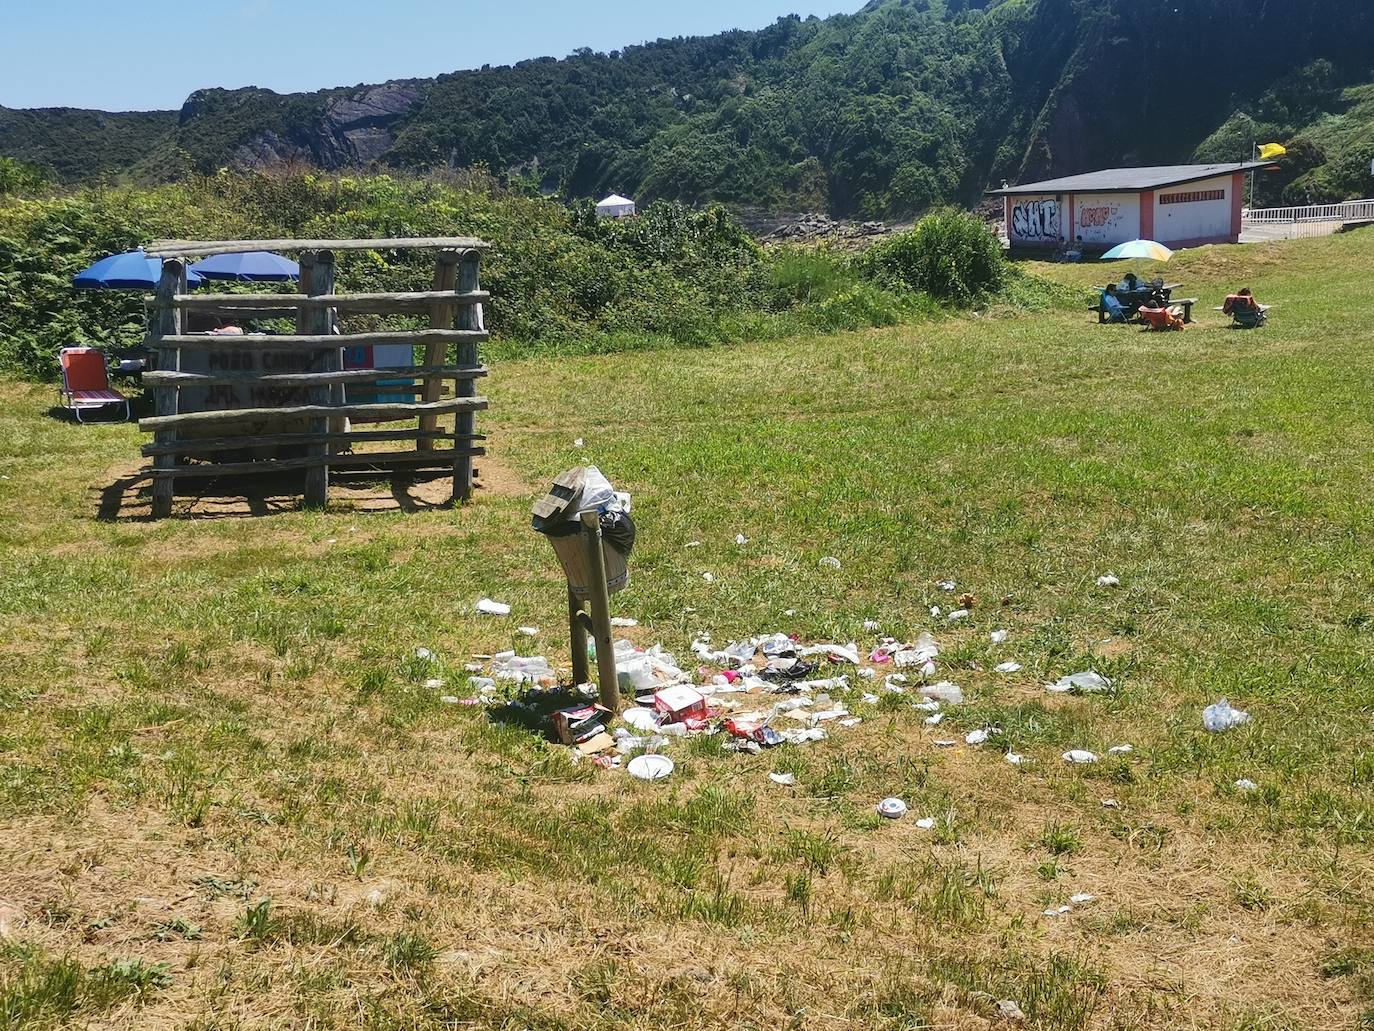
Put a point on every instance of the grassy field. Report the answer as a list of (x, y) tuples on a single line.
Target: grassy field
[(227, 799)]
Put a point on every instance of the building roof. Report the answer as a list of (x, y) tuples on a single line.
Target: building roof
[(614, 201), (1128, 180)]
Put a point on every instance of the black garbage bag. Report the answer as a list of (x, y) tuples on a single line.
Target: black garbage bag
[(617, 529)]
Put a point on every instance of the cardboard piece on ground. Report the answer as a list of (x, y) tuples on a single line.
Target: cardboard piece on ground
[(603, 742)]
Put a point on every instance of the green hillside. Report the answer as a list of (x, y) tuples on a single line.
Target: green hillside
[(903, 105)]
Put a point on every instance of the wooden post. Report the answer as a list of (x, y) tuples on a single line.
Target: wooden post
[(317, 279), (166, 322), (579, 639), (440, 317), (601, 613), (470, 318)]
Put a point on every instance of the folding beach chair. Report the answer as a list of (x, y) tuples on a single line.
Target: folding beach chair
[(86, 382), (1248, 316)]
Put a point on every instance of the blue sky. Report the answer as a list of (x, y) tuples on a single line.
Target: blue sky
[(124, 55)]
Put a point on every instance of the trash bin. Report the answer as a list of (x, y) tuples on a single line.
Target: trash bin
[(558, 516)]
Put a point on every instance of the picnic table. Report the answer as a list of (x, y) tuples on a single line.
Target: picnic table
[(1132, 300)]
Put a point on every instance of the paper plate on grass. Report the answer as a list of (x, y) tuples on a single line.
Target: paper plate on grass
[(650, 767)]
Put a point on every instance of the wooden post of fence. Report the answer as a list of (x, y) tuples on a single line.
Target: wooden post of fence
[(317, 279), (166, 322), (469, 318), (441, 316)]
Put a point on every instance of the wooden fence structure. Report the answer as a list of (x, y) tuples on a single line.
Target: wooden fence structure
[(307, 408)]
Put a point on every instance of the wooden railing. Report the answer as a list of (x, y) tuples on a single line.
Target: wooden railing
[(316, 430)]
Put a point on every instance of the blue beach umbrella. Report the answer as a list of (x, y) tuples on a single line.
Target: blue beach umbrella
[(248, 267), (132, 270), (1146, 249)]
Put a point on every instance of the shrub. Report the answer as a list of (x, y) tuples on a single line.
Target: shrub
[(950, 255)]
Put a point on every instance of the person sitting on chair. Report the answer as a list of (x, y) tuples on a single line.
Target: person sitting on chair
[(1115, 311), (1162, 317), (1242, 298), (1130, 283)]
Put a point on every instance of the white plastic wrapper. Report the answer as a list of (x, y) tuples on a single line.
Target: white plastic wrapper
[(1088, 682)]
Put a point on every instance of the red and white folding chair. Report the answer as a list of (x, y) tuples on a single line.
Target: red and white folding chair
[(86, 382)]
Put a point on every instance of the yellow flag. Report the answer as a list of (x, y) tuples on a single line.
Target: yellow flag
[(1269, 151)]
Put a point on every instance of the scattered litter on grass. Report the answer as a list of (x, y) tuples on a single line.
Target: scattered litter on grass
[(959, 615), (1083, 898), (1220, 717), (998, 637), (450, 699), (975, 737), (947, 585), (527, 631), (433, 684), (944, 691), (935, 720), (926, 823), (1089, 682), (829, 562), (534, 669), (650, 767), (1015, 759), (872, 624), (935, 611), (692, 544), (741, 540), (709, 577), (1120, 750), (1108, 581), (787, 780), (487, 607), (1007, 667), (423, 654), (1110, 803), (892, 808), (945, 743), (1247, 785), (1010, 1010), (623, 622), (1079, 756)]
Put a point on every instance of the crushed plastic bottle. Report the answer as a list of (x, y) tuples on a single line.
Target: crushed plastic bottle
[(1221, 716)]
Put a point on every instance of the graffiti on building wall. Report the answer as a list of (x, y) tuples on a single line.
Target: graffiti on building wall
[(1099, 216), (1036, 220)]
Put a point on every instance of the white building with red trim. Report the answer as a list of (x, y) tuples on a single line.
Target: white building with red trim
[(1176, 205)]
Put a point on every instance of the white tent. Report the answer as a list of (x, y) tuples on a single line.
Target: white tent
[(615, 206)]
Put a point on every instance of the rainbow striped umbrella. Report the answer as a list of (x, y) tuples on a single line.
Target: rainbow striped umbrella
[(1146, 249)]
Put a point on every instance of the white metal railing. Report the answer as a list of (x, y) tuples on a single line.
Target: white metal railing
[(1349, 211)]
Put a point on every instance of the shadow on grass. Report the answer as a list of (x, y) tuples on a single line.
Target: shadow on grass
[(128, 497)]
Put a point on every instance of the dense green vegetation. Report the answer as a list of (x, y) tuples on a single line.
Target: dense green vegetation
[(561, 279), (904, 105)]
